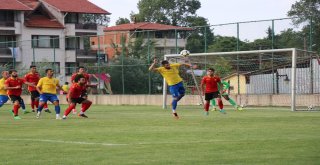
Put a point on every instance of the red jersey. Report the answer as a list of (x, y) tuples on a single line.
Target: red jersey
[(76, 90), (86, 76), (32, 78), (10, 82), (211, 83)]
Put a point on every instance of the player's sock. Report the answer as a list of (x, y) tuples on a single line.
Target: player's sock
[(68, 110), (45, 106), (15, 109), (85, 106), (36, 103), (57, 109), (40, 108), (32, 104), (206, 106), (220, 103), (22, 105), (174, 104), (233, 103)]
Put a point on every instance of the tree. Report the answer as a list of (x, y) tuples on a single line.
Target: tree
[(198, 37), (307, 11), (122, 21), (100, 19), (171, 12)]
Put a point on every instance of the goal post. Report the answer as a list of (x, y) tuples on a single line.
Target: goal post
[(258, 77)]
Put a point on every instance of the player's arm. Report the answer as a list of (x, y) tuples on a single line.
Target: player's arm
[(39, 85), (70, 93), (152, 66), (6, 86)]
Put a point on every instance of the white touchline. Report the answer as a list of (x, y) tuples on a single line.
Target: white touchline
[(61, 141)]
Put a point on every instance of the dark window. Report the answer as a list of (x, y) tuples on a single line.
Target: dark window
[(72, 18), (7, 41), (72, 43), (158, 34), (6, 16), (42, 41)]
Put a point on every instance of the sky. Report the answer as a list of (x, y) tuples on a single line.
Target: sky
[(220, 12)]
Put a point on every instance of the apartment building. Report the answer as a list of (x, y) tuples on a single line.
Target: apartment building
[(47, 31), (167, 38)]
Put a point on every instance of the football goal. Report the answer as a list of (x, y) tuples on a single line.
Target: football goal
[(276, 77)]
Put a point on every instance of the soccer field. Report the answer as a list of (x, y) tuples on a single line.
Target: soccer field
[(149, 135)]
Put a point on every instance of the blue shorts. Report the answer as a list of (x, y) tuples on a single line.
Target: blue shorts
[(177, 89), (47, 96), (3, 99)]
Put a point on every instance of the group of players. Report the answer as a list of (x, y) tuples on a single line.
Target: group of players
[(42, 90), (211, 86)]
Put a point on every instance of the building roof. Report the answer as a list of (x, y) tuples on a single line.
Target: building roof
[(13, 5), (76, 6), (41, 21), (144, 26), (30, 3)]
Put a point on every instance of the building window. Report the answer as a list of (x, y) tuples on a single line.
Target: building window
[(71, 67), (72, 43), (7, 41), (72, 18), (6, 16), (42, 41), (158, 35)]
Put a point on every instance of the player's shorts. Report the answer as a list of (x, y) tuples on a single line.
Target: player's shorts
[(34, 94), (48, 96), (15, 98), (84, 93), (3, 99), (177, 89), (211, 95), (78, 100)]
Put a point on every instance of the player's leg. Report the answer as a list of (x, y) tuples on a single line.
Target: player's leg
[(55, 101), (213, 105), (42, 101), (207, 97), (69, 109), (174, 90), (181, 91), (45, 108), (219, 100), (231, 101), (85, 105), (3, 99), (16, 105), (23, 106)]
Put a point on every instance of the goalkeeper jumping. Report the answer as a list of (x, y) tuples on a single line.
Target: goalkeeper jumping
[(225, 95)]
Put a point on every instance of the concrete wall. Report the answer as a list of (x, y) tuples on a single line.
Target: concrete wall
[(255, 100)]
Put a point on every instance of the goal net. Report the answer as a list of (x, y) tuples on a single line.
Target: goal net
[(277, 77)]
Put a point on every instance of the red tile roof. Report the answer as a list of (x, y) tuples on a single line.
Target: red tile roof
[(41, 21), (30, 3), (13, 5), (76, 6), (144, 26)]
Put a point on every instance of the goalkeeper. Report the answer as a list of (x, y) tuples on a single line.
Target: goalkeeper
[(225, 95)]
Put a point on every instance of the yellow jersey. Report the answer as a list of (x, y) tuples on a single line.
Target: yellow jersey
[(171, 75), (48, 85), (2, 90)]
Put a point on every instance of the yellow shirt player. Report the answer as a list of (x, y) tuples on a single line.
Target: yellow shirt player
[(3, 93), (47, 87), (171, 74), (65, 88)]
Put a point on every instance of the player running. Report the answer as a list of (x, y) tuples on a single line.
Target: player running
[(34, 77), (225, 95), (3, 92), (171, 74), (210, 85), (13, 85), (47, 87), (74, 96)]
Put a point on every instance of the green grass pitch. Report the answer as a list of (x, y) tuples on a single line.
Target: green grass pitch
[(149, 135)]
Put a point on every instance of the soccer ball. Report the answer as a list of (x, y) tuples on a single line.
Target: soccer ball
[(310, 107), (185, 53)]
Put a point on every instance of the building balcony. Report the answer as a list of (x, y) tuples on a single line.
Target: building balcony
[(5, 53), (86, 26), (7, 24), (86, 54)]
